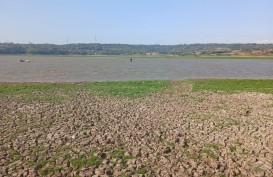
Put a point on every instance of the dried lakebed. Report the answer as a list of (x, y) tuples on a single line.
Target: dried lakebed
[(176, 132)]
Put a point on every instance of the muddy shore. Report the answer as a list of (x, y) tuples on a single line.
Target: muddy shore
[(174, 133)]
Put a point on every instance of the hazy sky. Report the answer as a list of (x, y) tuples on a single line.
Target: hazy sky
[(136, 21)]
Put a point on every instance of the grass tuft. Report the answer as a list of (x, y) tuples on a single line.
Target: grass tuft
[(141, 171), (233, 149), (210, 153), (118, 152)]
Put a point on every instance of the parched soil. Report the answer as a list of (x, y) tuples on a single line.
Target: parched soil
[(175, 133)]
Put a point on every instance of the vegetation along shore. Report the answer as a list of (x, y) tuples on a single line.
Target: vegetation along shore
[(137, 128), (210, 49)]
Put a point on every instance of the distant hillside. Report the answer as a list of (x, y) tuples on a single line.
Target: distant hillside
[(126, 49)]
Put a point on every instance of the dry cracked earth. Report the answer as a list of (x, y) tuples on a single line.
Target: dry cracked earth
[(174, 133)]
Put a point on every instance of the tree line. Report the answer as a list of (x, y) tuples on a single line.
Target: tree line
[(126, 49)]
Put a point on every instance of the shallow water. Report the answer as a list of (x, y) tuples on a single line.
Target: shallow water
[(77, 69)]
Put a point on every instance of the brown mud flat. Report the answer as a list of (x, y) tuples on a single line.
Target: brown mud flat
[(175, 133)]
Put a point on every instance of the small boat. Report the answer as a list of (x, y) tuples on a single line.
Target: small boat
[(21, 60)]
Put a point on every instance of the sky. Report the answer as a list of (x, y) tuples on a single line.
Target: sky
[(162, 22)]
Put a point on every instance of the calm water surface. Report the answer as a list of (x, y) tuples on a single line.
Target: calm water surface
[(76, 69)]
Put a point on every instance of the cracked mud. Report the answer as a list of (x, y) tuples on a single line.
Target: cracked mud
[(174, 133)]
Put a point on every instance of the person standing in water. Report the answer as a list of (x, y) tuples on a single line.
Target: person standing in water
[(131, 60)]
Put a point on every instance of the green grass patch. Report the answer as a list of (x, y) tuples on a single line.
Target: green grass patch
[(225, 123), (171, 144), (46, 171), (85, 162), (15, 156), (130, 89), (141, 171), (119, 153), (58, 92), (44, 92), (123, 175), (39, 164), (222, 175), (90, 160), (210, 153), (233, 149), (233, 85), (214, 146), (30, 88), (258, 169)]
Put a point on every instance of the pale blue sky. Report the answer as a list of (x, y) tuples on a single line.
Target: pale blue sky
[(136, 21)]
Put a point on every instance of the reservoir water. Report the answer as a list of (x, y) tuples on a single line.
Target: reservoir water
[(78, 69)]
